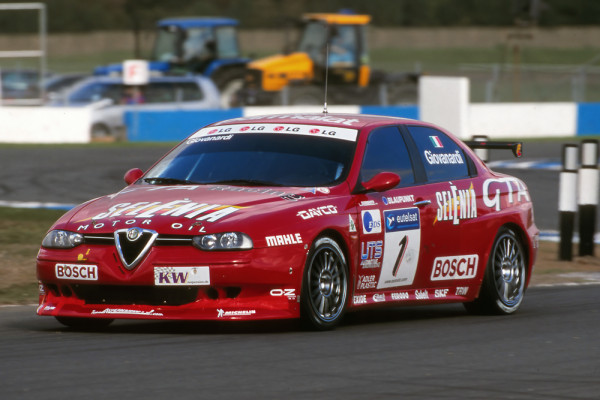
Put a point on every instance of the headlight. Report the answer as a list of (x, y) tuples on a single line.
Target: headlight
[(62, 240), (223, 241)]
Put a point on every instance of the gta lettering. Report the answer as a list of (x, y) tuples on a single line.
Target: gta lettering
[(76, 271), (283, 240), (317, 212), (176, 208), (444, 158), (457, 267), (496, 185), (456, 204)]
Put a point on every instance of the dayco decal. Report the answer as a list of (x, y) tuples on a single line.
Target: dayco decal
[(317, 212), (456, 204), (283, 240), (175, 208), (498, 184), (457, 267)]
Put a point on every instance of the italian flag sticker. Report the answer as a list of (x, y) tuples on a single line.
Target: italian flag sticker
[(436, 142)]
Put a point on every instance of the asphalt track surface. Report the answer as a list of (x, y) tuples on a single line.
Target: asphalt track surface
[(548, 350)]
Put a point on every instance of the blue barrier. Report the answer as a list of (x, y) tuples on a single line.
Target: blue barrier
[(588, 119), (172, 125), (411, 112)]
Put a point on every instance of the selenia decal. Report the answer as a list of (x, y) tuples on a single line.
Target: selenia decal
[(401, 248)]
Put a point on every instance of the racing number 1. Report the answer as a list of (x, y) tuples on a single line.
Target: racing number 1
[(403, 245)]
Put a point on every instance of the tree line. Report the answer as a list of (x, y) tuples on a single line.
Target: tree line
[(66, 16)]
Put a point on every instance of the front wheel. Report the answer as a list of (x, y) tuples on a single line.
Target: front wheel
[(325, 285), (503, 284)]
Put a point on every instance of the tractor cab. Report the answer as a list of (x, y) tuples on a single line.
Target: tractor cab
[(193, 44), (337, 42)]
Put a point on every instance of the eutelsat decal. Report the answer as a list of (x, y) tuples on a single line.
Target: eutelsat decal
[(401, 247)]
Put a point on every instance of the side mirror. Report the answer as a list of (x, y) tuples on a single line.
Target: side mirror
[(133, 175), (381, 182)]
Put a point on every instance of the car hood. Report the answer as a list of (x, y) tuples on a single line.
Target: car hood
[(185, 210)]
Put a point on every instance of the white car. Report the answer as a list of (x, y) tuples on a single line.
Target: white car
[(110, 98)]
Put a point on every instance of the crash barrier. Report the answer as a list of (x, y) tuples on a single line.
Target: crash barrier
[(45, 125), (578, 193), (496, 120)]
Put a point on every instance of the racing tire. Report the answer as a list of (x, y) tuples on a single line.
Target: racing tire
[(324, 286), (85, 323), (503, 285)]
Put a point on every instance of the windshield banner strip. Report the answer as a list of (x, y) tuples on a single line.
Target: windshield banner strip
[(289, 129)]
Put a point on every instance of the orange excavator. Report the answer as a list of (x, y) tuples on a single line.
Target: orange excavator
[(332, 46)]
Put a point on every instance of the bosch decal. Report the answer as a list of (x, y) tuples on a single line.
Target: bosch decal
[(77, 272), (456, 267)]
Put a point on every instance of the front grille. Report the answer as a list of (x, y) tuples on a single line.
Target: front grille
[(136, 295)]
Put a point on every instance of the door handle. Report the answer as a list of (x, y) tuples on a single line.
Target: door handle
[(422, 203)]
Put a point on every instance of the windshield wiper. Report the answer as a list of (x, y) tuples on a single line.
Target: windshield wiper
[(244, 182), (168, 181)]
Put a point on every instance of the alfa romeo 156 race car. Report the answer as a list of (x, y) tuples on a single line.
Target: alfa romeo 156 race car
[(294, 216)]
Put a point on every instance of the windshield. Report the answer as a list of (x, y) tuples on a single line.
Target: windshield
[(258, 159)]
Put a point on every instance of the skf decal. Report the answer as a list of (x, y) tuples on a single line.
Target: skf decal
[(510, 184), (317, 212), (457, 267), (283, 240), (456, 204)]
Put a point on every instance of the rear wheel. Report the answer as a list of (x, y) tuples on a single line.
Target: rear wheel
[(85, 323), (325, 285), (503, 284)]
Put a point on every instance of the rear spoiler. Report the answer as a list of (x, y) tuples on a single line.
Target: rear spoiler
[(515, 147)]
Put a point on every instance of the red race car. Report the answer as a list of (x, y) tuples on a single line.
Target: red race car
[(288, 216)]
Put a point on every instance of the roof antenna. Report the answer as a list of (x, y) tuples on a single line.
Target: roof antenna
[(326, 78)]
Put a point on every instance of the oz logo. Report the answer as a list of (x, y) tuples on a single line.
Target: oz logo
[(371, 221)]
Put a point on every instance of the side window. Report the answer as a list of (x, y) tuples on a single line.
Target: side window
[(386, 151), (443, 159)]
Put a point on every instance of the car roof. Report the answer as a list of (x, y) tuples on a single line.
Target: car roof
[(356, 121)]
